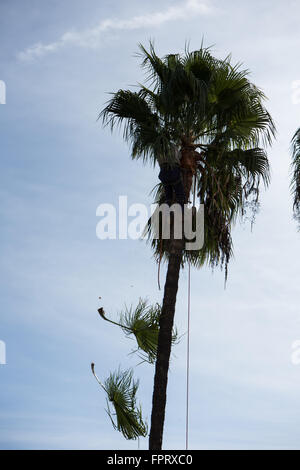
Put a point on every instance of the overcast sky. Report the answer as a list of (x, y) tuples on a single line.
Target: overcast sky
[(59, 60)]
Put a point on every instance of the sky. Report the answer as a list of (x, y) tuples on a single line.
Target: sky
[(59, 60)]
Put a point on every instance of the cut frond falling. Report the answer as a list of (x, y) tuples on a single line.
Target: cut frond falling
[(121, 390), (142, 322)]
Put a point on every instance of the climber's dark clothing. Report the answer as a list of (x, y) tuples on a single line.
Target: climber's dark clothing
[(171, 178)]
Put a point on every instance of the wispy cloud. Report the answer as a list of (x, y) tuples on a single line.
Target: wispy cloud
[(91, 38)]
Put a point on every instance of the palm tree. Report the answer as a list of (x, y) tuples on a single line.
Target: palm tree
[(295, 185), (193, 102)]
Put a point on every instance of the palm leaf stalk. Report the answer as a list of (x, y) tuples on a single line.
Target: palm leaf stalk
[(195, 102), (121, 390), (143, 323)]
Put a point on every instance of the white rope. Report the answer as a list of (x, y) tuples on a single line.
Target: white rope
[(188, 361), (188, 342)]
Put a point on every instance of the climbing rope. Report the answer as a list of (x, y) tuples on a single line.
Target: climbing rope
[(188, 360), (188, 329), (159, 263), (188, 341)]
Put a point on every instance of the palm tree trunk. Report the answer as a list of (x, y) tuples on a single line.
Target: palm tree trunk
[(164, 346), (165, 334)]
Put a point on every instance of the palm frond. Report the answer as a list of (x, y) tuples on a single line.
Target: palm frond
[(121, 390), (142, 323)]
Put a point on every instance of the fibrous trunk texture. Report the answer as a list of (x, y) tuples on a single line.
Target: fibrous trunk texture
[(166, 326)]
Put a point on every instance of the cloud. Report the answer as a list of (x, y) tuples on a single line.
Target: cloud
[(91, 38)]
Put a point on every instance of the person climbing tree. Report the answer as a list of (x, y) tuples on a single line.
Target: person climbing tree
[(171, 178), (171, 174)]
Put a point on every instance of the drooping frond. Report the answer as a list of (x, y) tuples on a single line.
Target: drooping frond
[(142, 323), (142, 125), (252, 165), (121, 390), (295, 184), (228, 187), (131, 107)]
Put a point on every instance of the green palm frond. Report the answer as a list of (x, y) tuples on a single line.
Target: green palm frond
[(142, 323), (249, 164), (131, 107), (121, 390), (173, 82), (199, 101), (295, 184)]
